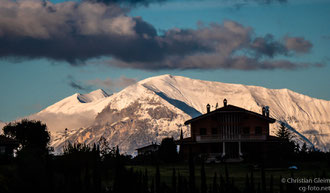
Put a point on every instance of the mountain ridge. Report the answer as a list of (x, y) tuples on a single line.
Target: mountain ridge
[(161, 104)]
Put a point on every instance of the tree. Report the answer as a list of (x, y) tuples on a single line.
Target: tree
[(32, 157), (29, 133), (284, 133), (287, 145), (167, 150), (203, 179)]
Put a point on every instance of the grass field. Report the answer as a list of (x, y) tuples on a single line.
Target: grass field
[(239, 171)]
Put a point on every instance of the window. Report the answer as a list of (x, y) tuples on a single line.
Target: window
[(246, 131), (202, 131), (258, 131), (214, 131)]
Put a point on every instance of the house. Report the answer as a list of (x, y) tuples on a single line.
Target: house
[(149, 149), (7, 146), (230, 133)]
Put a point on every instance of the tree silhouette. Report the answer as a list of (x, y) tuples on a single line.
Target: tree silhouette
[(287, 146), (284, 133), (167, 150), (29, 133)]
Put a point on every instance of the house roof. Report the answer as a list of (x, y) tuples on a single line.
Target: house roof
[(188, 140), (232, 109), (144, 147)]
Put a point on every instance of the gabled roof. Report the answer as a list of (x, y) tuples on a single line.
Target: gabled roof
[(232, 109), (188, 140), (151, 145)]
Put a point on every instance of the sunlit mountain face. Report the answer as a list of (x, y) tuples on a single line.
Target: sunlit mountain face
[(157, 107)]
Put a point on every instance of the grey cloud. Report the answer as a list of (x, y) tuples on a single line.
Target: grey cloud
[(268, 46), (76, 32), (298, 44), (215, 61), (237, 3), (128, 2), (77, 84), (269, 1), (113, 84)]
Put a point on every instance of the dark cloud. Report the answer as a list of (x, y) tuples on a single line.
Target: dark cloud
[(113, 85), (236, 3), (78, 85), (268, 46), (127, 2), (268, 1), (109, 84), (75, 32), (326, 37)]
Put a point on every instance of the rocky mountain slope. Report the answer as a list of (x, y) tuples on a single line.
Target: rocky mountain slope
[(2, 124), (157, 107)]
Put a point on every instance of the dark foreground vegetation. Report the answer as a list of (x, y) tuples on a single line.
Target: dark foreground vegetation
[(101, 168)]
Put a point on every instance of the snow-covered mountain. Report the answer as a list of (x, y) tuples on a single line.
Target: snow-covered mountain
[(157, 107), (73, 112), (2, 124)]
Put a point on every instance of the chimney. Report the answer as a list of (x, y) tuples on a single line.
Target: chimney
[(267, 111), (225, 102), (208, 108), (263, 111)]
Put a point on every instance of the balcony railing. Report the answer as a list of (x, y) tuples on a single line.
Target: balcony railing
[(215, 138)]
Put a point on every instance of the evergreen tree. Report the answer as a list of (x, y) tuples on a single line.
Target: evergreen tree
[(174, 181), (271, 184), (167, 150), (281, 185), (203, 179), (145, 181), (284, 133), (192, 185), (157, 180), (226, 174), (247, 184), (215, 185), (180, 185), (252, 181), (263, 180), (287, 145)]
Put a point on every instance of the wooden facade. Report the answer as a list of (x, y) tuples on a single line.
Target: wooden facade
[(229, 132), (147, 150)]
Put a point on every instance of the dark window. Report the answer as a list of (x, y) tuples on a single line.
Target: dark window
[(214, 131), (246, 131), (258, 131), (202, 131)]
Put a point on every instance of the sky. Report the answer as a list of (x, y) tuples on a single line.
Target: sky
[(50, 50)]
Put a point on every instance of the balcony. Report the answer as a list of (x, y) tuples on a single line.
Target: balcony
[(218, 138)]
